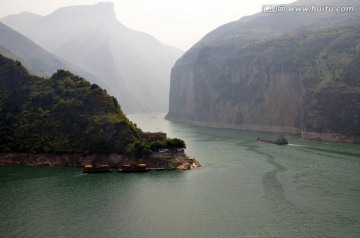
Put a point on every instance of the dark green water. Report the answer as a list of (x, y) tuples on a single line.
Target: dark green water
[(245, 189)]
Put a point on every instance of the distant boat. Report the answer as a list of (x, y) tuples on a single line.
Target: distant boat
[(90, 169), (281, 140), (128, 168)]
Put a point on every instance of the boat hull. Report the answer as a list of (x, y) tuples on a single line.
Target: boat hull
[(276, 142), (140, 168), (132, 171), (94, 171)]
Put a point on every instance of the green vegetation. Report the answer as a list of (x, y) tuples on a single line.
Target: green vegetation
[(311, 77), (65, 114), (147, 147), (322, 57), (168, 143), (139, 148), (62, 114)]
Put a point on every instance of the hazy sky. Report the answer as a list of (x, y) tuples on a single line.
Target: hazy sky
[(180, 23)]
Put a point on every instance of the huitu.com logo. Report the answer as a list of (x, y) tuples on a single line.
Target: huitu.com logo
[(275, 8)]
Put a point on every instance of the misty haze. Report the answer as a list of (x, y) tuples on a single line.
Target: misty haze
[(180, 118)]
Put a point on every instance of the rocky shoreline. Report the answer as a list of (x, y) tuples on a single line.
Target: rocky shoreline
[(331, 137), (180, 161)]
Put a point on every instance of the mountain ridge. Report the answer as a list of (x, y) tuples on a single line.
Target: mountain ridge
[(36, 59), (140, 68)]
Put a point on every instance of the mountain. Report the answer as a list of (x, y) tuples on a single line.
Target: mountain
[(134, 66), (288, 72), (63, 114), (37, 60)]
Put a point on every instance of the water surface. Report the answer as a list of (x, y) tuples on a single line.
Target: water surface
[(244, 189)]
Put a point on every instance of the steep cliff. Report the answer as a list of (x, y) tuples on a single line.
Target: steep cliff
[(268, 72)]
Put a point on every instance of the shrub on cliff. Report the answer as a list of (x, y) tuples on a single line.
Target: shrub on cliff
[(170, 143)]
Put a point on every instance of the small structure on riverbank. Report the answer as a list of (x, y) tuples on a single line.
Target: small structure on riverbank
[(154, 150)]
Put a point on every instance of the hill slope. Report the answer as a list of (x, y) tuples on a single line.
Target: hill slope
[(134, 66), (63, 114)]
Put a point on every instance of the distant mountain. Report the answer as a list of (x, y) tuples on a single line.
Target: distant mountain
[(37, 60), (134, 66), (63, 114), (284, 72)]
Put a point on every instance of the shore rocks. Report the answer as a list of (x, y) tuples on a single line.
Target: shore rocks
[(113, 160)]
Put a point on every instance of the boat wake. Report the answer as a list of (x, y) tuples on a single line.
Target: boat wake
[(296, 145)]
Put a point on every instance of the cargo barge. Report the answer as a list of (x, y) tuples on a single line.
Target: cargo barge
[(91, 169), (281, 140), (128, 168)]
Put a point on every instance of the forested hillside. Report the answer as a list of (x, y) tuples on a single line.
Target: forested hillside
[(62, 114)]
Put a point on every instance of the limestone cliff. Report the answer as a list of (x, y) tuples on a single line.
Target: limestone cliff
[(301, 81)]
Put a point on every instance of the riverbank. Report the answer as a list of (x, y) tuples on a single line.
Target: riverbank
[(331, 137), (113, 160), (326, 137)]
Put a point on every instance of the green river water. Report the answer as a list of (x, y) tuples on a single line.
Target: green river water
[(244, 189)]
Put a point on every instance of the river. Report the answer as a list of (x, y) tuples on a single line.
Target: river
[(244, 189)]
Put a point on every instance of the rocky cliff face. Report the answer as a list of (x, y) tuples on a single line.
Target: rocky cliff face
[(257, 97), (268, 72)]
